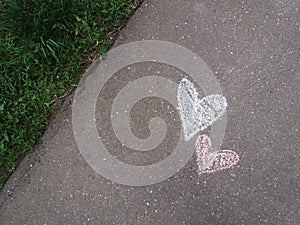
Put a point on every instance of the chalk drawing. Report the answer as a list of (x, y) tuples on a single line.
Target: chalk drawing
[(210, 161), (197, 114)]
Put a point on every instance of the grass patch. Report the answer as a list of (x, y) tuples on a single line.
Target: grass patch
[(45, 45)]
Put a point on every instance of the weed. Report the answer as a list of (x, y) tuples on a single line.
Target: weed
[(44, 48)]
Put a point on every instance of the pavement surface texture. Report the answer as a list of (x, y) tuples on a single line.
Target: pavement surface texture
[(252, 47)]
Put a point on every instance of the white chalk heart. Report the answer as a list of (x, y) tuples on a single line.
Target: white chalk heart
[(197, 114), (210, 161)]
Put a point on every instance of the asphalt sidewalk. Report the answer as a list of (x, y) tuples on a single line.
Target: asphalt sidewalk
[(252, 48)]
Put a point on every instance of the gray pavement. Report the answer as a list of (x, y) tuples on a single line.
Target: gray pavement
[(253, 49)]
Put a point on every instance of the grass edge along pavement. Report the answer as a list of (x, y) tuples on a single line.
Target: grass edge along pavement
[(45, 46)]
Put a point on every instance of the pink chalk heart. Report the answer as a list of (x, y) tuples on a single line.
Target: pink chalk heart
[(210, 161)]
